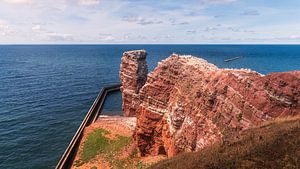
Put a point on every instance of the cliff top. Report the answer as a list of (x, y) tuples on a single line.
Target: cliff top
[(136, 54), (200, 63)]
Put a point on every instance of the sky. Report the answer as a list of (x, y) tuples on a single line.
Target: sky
[(149, 22)]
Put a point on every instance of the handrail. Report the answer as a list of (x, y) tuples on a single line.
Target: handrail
[(67, 158)]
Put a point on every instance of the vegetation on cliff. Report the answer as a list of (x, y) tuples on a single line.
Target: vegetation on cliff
[(274, 144), (98, 143), (108, 144)]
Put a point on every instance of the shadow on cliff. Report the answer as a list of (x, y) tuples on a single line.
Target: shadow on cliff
[(274, 144)]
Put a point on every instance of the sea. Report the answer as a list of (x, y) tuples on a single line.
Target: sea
[(46, 90)]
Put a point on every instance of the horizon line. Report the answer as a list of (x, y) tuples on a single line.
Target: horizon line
[(24, 44)]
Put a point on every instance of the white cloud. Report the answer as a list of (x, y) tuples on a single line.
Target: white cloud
[(176, 22), (250, 12), (211, 28), (6, 29), (217, 1), (106, 37), (36, 27), (61, 37), (192, 31), (295, 37), (88, 2), (128, 21), (142, 21), (16, 1)]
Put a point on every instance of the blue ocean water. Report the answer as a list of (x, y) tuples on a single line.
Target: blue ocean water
[(46, 90)]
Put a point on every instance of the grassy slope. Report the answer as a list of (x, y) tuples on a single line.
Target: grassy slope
[(272, 145), (97, 143)]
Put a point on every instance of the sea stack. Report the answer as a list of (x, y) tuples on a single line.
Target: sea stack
[(133, 75)]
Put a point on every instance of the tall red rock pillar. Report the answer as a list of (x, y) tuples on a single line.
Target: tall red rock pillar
[(133, 75)]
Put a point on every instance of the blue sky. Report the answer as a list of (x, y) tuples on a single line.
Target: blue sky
[(149, 21)]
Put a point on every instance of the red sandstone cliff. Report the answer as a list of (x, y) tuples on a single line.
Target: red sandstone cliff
[(188, 103), (133, 75)]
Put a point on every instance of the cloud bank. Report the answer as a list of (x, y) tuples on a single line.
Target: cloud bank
[(132, 21)]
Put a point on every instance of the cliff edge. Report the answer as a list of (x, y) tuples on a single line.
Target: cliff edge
[(187, 104)]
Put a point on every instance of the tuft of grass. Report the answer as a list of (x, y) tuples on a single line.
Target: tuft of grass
[(114, 147), (118, 144), (134, 153), (140, 165), (129, 163), (79, 163), (275, 144), (95, 143)]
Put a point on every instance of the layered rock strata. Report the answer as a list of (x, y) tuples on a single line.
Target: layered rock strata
[(187, 104), (133, 75)]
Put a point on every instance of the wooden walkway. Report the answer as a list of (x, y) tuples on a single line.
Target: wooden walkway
[(67, 158)]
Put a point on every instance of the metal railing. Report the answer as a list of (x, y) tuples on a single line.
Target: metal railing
[(67, 158)]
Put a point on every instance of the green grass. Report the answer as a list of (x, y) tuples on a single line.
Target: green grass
[(274, 144), (114, 147), (118, 144), (128, 163), (97, 143)]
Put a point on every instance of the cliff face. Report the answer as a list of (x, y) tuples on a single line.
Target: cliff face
[(187, 104), (133, 75)]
